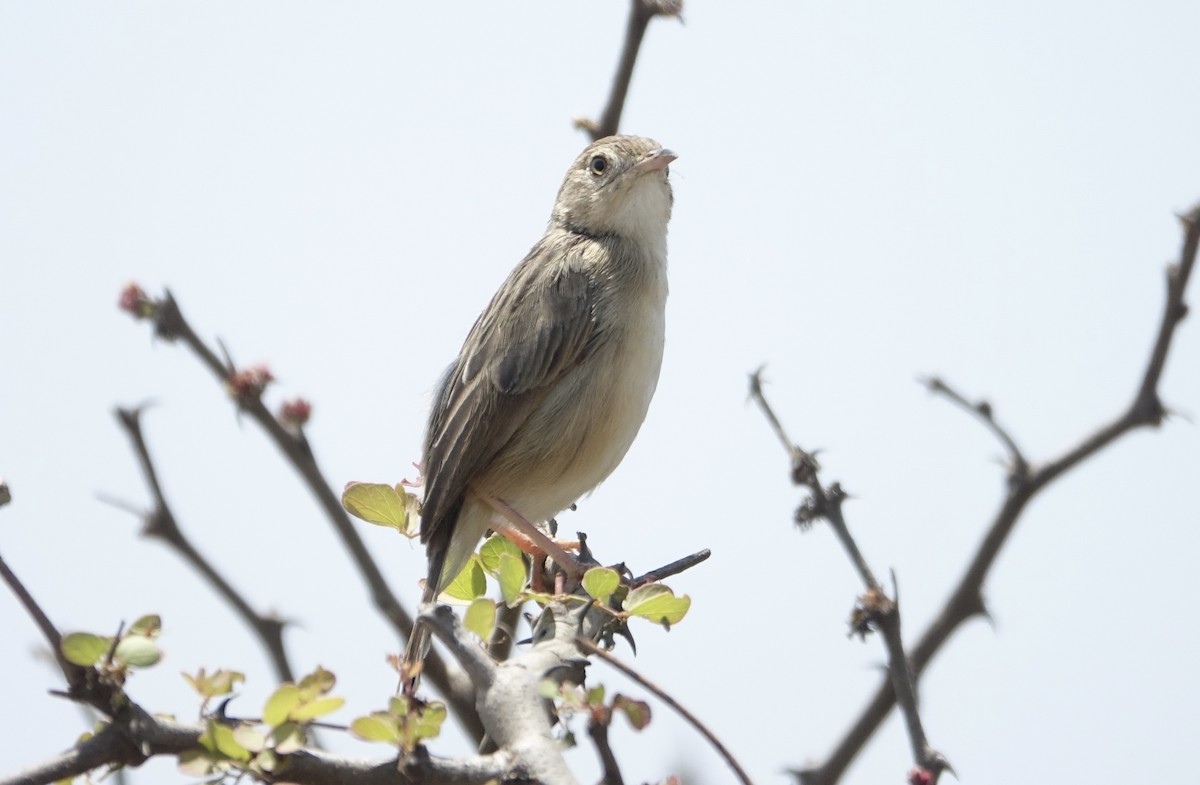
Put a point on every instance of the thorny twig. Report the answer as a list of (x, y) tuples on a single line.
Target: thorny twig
[(170, 324), (640, 14), (588, 647), (875, 610), (966, 599), (161, 523)]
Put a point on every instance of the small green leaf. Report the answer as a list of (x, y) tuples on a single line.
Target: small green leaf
[(549, 689), (266, 760), (316, 683), (84, 648), (470, 583), (195, 763), (595, 696), (221, 739), (288, 738), (219, 683), (480, 617), (657, 603), (600, 583), (511, 576), (317, 708), (250, 737), (429, 722), (492, 549), (279, 706), (137, 651), (378, 503), (149, 625), (398, 705), (380, 726)]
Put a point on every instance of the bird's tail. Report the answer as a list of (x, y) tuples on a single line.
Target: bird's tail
[(420, 638), (418, 646)]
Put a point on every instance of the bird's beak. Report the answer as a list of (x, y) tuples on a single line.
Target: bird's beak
[(655, 162)]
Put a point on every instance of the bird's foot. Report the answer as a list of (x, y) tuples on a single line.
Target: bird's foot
[(534, 541)]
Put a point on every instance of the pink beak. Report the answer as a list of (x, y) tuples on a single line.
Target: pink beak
[(656, 161)]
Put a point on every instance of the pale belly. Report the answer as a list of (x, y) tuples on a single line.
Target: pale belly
[(581, 432)]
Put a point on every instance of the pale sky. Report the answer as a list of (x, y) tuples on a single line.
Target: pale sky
[(866, 193)]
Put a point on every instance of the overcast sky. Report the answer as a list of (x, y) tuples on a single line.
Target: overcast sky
[(866, 192)]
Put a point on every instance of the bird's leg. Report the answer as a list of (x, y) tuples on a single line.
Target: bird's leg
[(536, 537)]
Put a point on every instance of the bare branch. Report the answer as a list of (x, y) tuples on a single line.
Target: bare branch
[(966, 600), (591, 648), (161, 523), (983, 410), (874, 610), (640, 14), (598, 731), (674, 568), (510, 704), (170, 324), (135, 736), (71, 672)]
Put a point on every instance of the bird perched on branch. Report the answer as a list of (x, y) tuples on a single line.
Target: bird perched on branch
[(554, 380)]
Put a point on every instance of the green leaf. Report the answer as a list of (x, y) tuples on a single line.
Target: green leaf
[(219, 683), (149, 625), (318, 708), (480, 617), (657, 603), (595, 696), (137, 651), (470, 583), (600, 583), (266, 760), (637, 711), (316, 683), (429, 722), (279, 706), (511, 576), (250, 737), (221, 740), (549, 689), (380, 726), (378, 503), (493, 548), (398, 705), (84, 648), (288, 738)]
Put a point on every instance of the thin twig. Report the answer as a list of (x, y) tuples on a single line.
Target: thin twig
[(608, 761), (640, 14), (966, 599), (875, 610), (49, 631), (983, 411), (588, 647), (162, 524), (170, 324), (674, 568)]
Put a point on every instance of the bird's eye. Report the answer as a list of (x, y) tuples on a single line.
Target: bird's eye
[(598, 165)]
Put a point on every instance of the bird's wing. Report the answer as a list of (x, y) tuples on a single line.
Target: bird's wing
[(540, 325)]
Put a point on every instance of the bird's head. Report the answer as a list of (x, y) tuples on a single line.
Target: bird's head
[(618, 186)]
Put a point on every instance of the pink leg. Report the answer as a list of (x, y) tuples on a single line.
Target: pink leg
[(552, 549)]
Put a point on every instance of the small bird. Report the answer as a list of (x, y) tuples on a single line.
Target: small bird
[(554, 380)]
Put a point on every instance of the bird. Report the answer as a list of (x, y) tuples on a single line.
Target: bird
[(555, 378)]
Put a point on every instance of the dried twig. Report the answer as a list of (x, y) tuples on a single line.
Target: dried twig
[(598, 731), (161, 523), (588, 647), (640, 14), (171, 325), (875, 610), (966, 599)]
